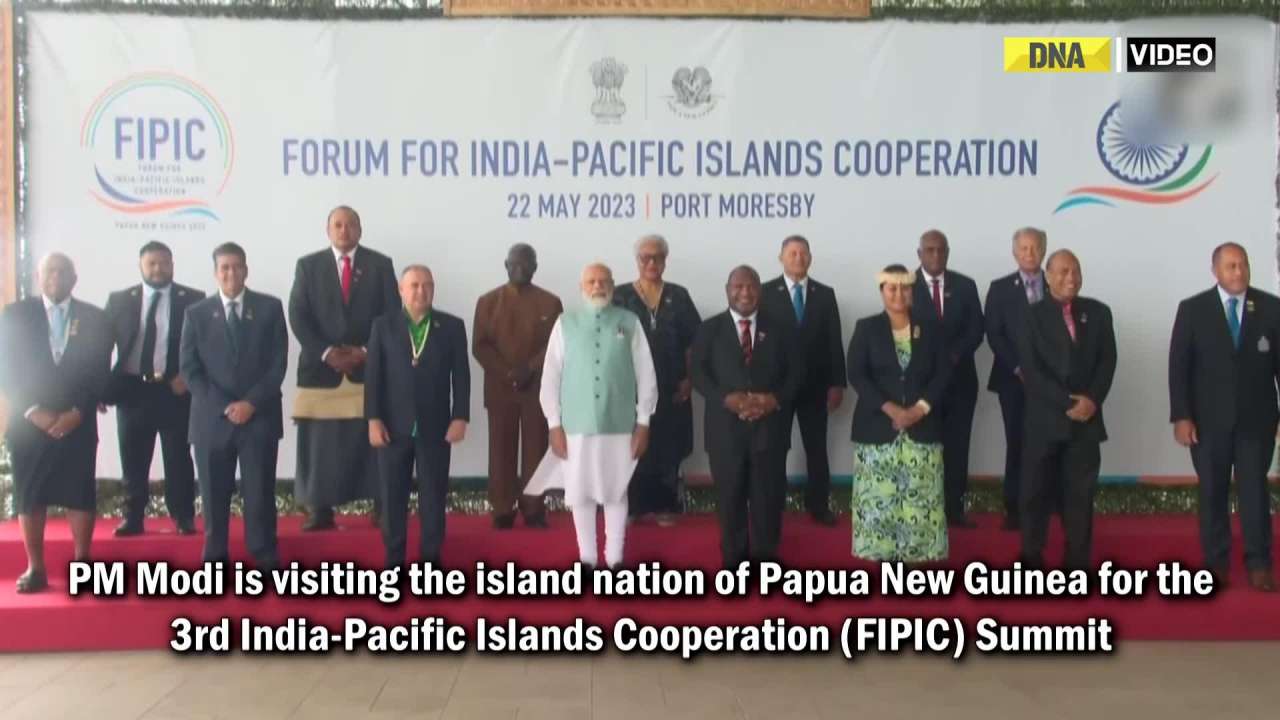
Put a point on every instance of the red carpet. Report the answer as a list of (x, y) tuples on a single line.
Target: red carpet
[(55, 621)]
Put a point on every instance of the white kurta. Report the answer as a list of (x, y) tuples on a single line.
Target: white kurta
[(599, 467)]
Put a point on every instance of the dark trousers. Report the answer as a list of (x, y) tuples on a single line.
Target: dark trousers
[(151, 409), (1013, 402), (1071, 468), (751, 491), (255, 453), (517, 438), (396, 464), (957, 429), (1250, 455), (811, 411)]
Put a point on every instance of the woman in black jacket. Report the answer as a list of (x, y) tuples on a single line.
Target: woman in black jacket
[(898, 365)]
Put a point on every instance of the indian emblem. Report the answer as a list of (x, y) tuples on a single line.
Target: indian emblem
[(607, 75)]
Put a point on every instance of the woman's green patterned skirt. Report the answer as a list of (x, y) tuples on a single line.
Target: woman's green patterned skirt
[(898, 511)]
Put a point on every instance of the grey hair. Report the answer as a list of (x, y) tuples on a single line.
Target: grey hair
[(660, 241), (1041, 238), (415, 268)]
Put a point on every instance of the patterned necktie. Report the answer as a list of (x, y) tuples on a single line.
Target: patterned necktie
[(797, 301), (1033, 290), (147, 364), (58, 332), (937, 296), (1233, 321), (346, 279), (1070, 321), (745, 339)]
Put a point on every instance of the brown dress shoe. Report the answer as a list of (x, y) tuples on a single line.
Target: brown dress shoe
[(1262, 580), (1221, 577)]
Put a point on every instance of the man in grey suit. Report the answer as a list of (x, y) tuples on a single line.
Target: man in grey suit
[(233, 357)]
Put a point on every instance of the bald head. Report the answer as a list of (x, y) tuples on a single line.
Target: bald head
[(57, 276), (1062, 274), (597, 285)]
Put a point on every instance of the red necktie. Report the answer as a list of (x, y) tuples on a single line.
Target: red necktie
[(346, 279), (1071, 322), (937, 297), (745, 324)]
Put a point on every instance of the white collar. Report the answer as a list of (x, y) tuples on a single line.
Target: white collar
[(737, 319), (148, 291), (337, 254), (49, 304), (1224, 295), (928, 279), (227, 301), (791, 284)]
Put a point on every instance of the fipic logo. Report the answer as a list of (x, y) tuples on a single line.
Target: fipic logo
[(1169, 54), (692, 98), (1045, 54), (161, 152), (1150, 169)]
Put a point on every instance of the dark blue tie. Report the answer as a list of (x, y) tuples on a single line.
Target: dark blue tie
[(1233, 321)]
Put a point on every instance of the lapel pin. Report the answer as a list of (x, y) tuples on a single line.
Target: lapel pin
[(1084, 318), (915, 333), (760, 336), (135, 292), (248, 313), (75, 327), (1248, 306), (1264, 345)]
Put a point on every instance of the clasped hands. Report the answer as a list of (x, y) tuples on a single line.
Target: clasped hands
[(56, 425), (345, 359), (749, 406), (903, 417)]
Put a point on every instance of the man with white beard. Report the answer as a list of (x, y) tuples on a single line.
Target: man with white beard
[(598, 391)]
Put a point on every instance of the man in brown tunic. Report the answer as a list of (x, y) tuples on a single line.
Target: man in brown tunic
[(510, 333)]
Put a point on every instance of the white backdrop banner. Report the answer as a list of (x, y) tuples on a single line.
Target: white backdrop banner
[(455, 139)]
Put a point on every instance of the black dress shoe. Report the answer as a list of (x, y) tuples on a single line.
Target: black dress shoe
[(185, 527), (266, 564), (32, 581), (1011, 523), (824, 516), (128, 528), (1031, 562), (1221, 577), (318, 521), (504, 522), (538, 521)]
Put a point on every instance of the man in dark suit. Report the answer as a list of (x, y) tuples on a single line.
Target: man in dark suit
[(1006, 315), (418, 403), (1224, 362), (1068, 360), (337, 293), (951, 300), (150, 396), (53, 372), (811, 313), (234, 352), (747, 367)]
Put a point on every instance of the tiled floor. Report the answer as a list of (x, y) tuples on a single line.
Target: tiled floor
[(1142, 680)]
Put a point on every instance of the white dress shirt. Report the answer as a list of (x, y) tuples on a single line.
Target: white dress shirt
[(134, 364), (942, 288), (1224, 295)]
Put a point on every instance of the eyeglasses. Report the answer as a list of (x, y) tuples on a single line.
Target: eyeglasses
[(646, 259)]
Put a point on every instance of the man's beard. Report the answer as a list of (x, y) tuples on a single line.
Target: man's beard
[(597, 303), (157, 285)]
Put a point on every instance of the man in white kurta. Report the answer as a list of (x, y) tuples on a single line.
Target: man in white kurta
[(598, 391)]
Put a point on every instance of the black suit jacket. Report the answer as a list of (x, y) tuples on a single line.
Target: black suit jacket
[(1054, 368), (962, 322), (719, 369), (124, 311), (28, 375), (818, 336), (321, 320), (1211, 383), (1006, 318), (878, 377), (432, 394), (218, 377)]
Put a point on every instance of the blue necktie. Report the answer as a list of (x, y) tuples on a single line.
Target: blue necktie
[(1233, 322), (58, 333), (797, 301)]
